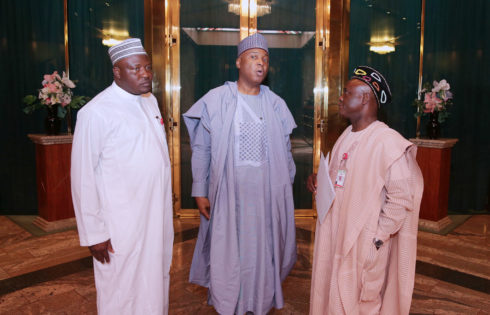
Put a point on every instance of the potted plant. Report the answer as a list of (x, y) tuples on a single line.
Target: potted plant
[(57, 98), (434, 101)]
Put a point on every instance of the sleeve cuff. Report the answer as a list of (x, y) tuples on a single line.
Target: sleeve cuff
[(200, 189), (94, 239), (380, 235)]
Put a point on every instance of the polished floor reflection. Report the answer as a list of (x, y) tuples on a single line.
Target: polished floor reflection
[(51, 274)]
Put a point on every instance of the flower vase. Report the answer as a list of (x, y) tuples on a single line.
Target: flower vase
[(52, 121), (433, 126)]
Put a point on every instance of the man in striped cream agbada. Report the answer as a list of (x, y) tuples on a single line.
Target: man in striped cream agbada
[(365, 248)]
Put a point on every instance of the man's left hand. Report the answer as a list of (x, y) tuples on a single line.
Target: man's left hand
[(311, 183), (101, 251)]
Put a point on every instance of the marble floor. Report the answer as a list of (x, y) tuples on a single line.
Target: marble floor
[(52, 274)]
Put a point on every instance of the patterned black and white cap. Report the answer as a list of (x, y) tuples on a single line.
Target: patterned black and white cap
[(126, 48), (253, 41), (378, 84)]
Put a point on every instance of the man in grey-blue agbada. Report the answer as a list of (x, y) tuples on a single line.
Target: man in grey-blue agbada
[(243, 171)]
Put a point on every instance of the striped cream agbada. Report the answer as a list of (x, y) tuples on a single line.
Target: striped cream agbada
[(380, 199)]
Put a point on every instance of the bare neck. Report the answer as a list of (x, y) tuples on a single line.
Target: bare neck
[(362, 123), (246, 88)]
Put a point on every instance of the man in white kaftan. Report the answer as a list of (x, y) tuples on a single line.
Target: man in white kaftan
[(120, 177)]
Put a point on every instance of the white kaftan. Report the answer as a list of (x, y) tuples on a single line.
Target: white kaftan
[(121, 188)]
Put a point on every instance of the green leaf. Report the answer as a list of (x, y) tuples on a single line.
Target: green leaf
[(78, 101), (29, 99), (31, 108), (443, 116), (61, 112)]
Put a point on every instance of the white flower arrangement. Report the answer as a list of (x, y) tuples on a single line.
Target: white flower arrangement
[(435, 99), (56, 90)]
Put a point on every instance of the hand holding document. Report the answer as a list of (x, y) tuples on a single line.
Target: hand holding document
[(325, 191)]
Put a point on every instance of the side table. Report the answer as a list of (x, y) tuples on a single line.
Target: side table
[(53, 160), (434, 159)]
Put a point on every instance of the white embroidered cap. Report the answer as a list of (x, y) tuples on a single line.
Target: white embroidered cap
[(126, 48)]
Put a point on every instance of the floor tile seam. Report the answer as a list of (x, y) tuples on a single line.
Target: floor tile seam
[(449, 238), (469, 244), (468, 233), (449, 299), (35, 244), (463, 293), (432, 298), (474, 274), (480, 268), (42, 275), (432, 261), (452, 236), (427, 251), (449, 254), (455, 277), (33, 264)]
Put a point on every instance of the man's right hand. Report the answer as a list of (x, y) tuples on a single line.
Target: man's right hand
[(101, 251), (311, 183), (203, 206)]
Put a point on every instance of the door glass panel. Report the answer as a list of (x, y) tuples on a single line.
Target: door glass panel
[(209, 35), (289, 26), (110, 23), (388, 39)]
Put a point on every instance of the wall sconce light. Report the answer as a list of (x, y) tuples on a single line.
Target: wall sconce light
[(382, 48), (383, 42), (110, 42), (113, 37)]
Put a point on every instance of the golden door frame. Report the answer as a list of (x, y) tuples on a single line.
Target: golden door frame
[(162, 41)]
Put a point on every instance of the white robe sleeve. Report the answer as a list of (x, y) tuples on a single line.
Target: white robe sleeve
[(88, 142)]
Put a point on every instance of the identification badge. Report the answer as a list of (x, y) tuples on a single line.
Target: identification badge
[(339, 181)]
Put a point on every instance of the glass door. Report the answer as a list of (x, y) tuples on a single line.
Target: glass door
[(209, 34), (200, 52), (289, 27)]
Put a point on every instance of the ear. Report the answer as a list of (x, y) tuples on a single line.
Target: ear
[(117, 72), (369, 101), (366, 98), (238, 62)]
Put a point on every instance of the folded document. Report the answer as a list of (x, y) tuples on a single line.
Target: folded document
[(325, 193)]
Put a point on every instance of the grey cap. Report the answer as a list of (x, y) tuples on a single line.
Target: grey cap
[(126, 48), (253, 41)]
